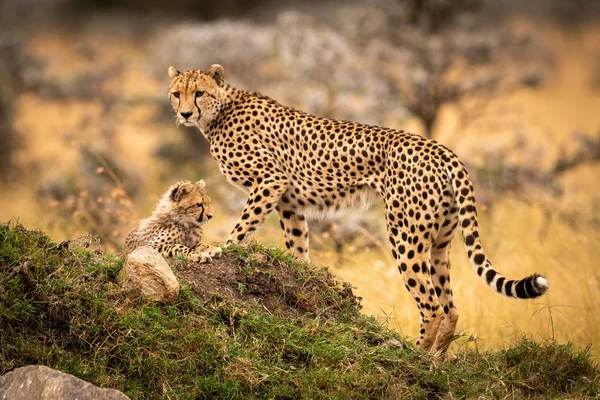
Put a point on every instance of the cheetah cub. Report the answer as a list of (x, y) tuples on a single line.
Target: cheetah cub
[(175, 227)]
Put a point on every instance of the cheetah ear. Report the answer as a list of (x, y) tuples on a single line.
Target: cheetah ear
[(217, 72), (201, 183), (173, 72), (180, 190)]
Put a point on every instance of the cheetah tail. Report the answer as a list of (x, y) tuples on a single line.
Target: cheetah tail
[(526, 288)]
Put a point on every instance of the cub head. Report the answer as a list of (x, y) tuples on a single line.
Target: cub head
[(197, 96), (187, 202)]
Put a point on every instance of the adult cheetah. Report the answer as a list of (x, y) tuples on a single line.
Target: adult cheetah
[(175, 227), (294, 162)]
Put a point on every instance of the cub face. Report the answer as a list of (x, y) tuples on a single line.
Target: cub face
[(189, 200), (197, 96)]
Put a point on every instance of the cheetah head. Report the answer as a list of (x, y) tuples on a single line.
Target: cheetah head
[(197, 96), (187, 202)]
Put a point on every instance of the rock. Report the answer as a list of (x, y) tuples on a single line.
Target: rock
[(37, 382), (146, 272), (395, 344)]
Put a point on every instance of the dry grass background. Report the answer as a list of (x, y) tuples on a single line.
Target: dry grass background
[(68, 137)]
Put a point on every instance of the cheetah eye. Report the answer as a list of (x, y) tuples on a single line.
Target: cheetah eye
[(175, 94), (200, 205), (199, 94)]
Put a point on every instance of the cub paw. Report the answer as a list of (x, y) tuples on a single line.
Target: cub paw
[(200, 257), (215, 252)]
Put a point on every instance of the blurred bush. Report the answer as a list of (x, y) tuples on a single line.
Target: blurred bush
[(93, 199)]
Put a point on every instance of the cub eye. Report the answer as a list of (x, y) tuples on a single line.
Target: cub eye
[(199, 94), (175, 94), (200, 205)]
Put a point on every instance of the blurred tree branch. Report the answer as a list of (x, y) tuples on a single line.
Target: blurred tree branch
[(11, 62), (464, 62), (588, 150), (432, 15), (524, 179)]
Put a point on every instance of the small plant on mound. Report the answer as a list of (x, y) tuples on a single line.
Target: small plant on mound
[(63, 308)]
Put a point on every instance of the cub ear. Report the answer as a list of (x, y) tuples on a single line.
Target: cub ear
[(173, 72), (201, 183), (217, 72), (180, 191)]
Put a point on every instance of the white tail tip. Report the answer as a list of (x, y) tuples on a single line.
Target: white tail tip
[(541, 283)]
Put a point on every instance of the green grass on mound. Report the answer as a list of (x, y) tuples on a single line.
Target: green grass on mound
[(63, 308)]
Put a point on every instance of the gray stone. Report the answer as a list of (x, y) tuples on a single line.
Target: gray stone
[(147, 272), (37, 382)]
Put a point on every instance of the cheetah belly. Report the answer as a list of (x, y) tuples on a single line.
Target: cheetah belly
[(334, 202)]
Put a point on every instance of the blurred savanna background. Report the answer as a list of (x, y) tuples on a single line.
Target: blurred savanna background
[(88, 141)]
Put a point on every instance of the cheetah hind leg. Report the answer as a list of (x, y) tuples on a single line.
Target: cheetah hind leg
[(414, 268), (440, 274)]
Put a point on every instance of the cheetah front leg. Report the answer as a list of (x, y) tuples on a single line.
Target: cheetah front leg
[(295, 229), (172, 250), (261, 202)]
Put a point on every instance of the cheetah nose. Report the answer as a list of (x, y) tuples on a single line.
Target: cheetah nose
[(209, 216), (186, 115)]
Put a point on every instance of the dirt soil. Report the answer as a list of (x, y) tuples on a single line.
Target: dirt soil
[(278, 287)]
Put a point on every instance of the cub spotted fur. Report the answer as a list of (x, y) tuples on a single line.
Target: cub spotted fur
[(175, 227)]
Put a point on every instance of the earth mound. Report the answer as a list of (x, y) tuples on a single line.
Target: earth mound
[(270, 278)]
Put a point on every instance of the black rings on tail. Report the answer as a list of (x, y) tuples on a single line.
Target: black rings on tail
[(527, 288)]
